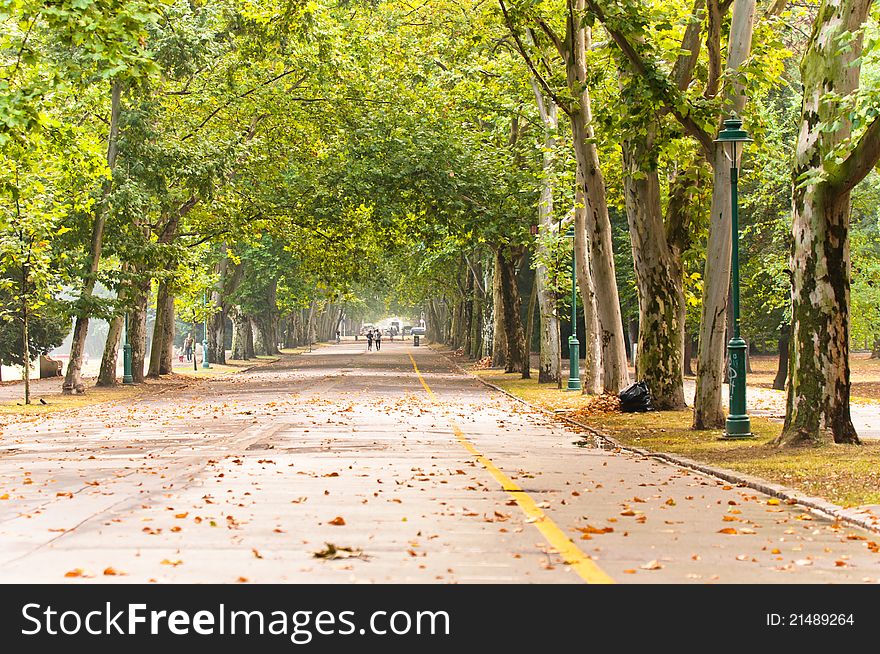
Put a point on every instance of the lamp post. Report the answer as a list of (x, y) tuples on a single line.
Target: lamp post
[(574, 346), (205, 359), (126, 357), (738, 424)]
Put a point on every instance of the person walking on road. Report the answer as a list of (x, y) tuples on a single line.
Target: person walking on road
[(378, 339), (369, 340)]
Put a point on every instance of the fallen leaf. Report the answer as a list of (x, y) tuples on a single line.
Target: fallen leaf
[(338, 521), (590, 529), (727, 530), (76, 572), (652, 565), (337, 552)]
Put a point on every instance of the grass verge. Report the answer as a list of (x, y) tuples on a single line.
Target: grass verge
[(847, 475), (55, 401)]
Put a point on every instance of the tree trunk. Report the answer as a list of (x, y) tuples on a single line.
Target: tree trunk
[(137, 325), (467, 314), (73, 377), (160, 354), (875, 351), (591, 373), (511, 310), (530, 329), (310, 326), (476, 334), (819, 377), (549, 347), (166, 362), (633, 330), (26, 346), (107, 373), (782, 367), (217, 336), (658, 279), (688, 355), (240, 329), (708, 413), (259, 338), (499, 335), (592, 224)]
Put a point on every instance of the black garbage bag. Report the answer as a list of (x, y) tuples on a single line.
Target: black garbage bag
[(635, 398)]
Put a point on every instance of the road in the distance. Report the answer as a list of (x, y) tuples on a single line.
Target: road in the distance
[(242, 479)]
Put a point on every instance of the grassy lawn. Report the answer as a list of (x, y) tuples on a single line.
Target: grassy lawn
[(55, 401), (848, 475), (14, 409)]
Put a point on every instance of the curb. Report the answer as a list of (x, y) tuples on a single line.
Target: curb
[(816, 505)]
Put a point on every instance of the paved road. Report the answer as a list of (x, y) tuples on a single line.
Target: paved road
[(436, 478)]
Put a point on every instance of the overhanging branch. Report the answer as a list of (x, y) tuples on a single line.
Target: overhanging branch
[(860, 161), (665, 92), (525, 55)]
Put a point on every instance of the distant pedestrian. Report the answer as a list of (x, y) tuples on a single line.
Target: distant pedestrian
[(337, 336), (188, 347), (378, 339), (370, 340)]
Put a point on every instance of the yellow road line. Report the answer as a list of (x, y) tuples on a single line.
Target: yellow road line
[(571, 553)]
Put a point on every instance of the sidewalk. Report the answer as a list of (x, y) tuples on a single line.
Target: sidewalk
[(771, 403)]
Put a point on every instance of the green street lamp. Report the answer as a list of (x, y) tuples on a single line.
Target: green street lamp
[(126, 357), (574, 346), (738, 424), (205, 359)]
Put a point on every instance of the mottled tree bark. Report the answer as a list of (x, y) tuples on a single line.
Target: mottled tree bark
[(708, 413), (593, 225), (819, 376), (162, 346), (658, 278), (259, 338), (107, 372), (549, 347), (241, 326), (592, 377)]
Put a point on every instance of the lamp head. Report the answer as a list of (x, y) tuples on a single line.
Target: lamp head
[(733, 131)]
